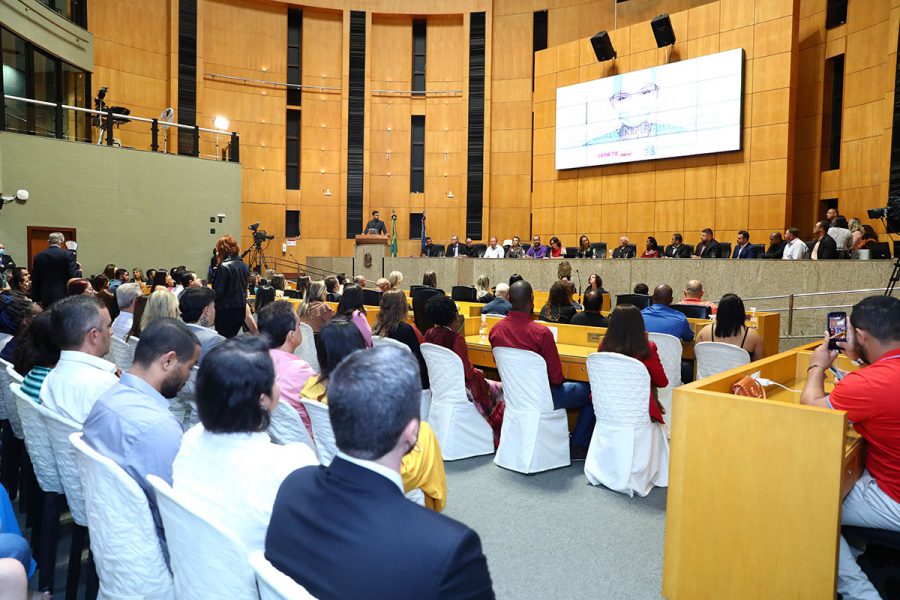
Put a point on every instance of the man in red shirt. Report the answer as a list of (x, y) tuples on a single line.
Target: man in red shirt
[(869, 396), (518, 330)]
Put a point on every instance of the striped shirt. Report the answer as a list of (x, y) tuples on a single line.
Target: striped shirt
[(32, 383)]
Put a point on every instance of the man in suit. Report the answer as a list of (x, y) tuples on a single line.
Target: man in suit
[(677, 249), (708, 246), (376, 225), (346, 530), (52, 270), (826, 247), (430, 250), (744, 248), (776, 246), (6, 261), (198, 311), (623, 251), (455, 249)]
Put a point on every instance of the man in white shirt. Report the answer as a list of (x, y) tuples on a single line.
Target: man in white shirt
[(126, 297), (82, 325), (494, 250), (794, 248)]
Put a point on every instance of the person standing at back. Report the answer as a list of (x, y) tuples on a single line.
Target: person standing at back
[(53, 268), (230, 286), (346, 530)]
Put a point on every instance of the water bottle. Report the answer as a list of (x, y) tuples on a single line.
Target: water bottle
[(754, 321), (482, 331)]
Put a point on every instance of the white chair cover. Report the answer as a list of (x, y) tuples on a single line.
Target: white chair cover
[(122, 352), (4, 382), (377, 340), (208, 561), (715, 357), (425, 405), (37, 442), (184, 404), (60, 429), (629, 453), (286, 426), (670, 351), (461, 430), (321, 426), (9, 375), (535, 436), (273, 584), (307, 348), (123, 537)]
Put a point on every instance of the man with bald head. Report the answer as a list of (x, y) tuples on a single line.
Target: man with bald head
[(518, 330), (693, 294), (660, 317)]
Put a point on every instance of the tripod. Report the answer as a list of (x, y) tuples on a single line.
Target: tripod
[(895, 277), (257, 259)]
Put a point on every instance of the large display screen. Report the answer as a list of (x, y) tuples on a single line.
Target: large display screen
[(680, 109)]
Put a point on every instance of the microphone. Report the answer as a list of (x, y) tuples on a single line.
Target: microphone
[(577, 272)]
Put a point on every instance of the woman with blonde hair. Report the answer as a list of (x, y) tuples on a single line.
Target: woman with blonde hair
[(483, 290), (162, 303), (230, 286), (313, 311), (395, 279)]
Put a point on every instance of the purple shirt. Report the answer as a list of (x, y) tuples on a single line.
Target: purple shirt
[(539, 252)]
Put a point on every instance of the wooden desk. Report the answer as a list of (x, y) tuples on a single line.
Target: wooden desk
[(755, 488)]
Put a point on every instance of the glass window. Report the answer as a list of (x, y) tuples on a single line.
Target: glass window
[(15, 70), (76, 126), (45, 84)]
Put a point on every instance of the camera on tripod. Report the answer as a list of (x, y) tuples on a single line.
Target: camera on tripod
[(259, 235), (890, 213)]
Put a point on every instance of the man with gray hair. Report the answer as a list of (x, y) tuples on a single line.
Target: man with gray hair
[(53, 268), (82, 326), (353, 511), (126, 297), (500, 304)]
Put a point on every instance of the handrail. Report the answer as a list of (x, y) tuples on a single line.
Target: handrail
[(293, 86), (808, 294)]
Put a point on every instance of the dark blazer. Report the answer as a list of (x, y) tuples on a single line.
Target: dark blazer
[(749, 251), (344, 532), (621, 252), (230, 283), (589, 319), (431, 251), (682, 251), (712, 249), (7, 262), (53, 268), (775, 250), (827, 248), (463, 251)]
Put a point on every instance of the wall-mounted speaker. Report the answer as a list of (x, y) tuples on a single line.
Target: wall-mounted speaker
[(603, 47), (662, 30)]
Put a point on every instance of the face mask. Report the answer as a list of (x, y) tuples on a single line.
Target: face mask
[(2, 251)]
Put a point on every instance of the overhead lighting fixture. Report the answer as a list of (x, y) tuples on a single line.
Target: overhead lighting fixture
[(221, 123)]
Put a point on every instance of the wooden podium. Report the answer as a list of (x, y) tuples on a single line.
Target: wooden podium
[(369, 250), (367, 239)]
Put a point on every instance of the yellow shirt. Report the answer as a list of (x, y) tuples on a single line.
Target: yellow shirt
[(422, 467)]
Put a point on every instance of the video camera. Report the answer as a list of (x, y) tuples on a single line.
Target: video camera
[(259, 235), (890, 213)]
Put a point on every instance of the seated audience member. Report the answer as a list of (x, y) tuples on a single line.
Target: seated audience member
[(109, 272), (571, 290), (383, 284), (127, 295), (776, 246), (558, 308), (81, 325), (693, 294), (391, 323), (869, 396), (219, 462), (708, 246), (395, 278), (359, 280), (487, 395), (483, 289), (429, 279), (585, 250), (651, 248), (198, 311), (423, 467), (557, 250), (313, 311), (277, 283), (16, 311), (151, 276), (626, 335), (831, 214), (137, 275), (825, 247), (641, 288), (677, 249), (160, 304), (867, 234), (140, 306), (743, 249), (188, 280), (21, 281), (332, 293), (623, 250), (101, 288), (121, 276), (856, 232), (514, 278), (162, 280), (595, 282), (455, 249), (281, 326), (590, 316), (730, 328), (517, 330), (15, 549), (660, 317), (80, 287), (265, 295), (516, 250), (500, 304), (353, 512), (430, 250), (36, 355), (130, 423), (537, 250), (494, 250), (794, 247), (841, 234), (351, 307)]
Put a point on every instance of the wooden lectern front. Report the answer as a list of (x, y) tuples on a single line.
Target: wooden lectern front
[(371, 239)]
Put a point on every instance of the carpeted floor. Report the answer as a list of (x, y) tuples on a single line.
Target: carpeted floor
[(553, 536)]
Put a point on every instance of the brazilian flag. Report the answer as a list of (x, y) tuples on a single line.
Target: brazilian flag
[(394, 235)]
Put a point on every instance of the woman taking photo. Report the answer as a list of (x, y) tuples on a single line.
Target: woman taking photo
[(559, 308), (730, 328), (651, 249), (351, 307), (313, 310), (230, 286), (391, 323), (626, 335)]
